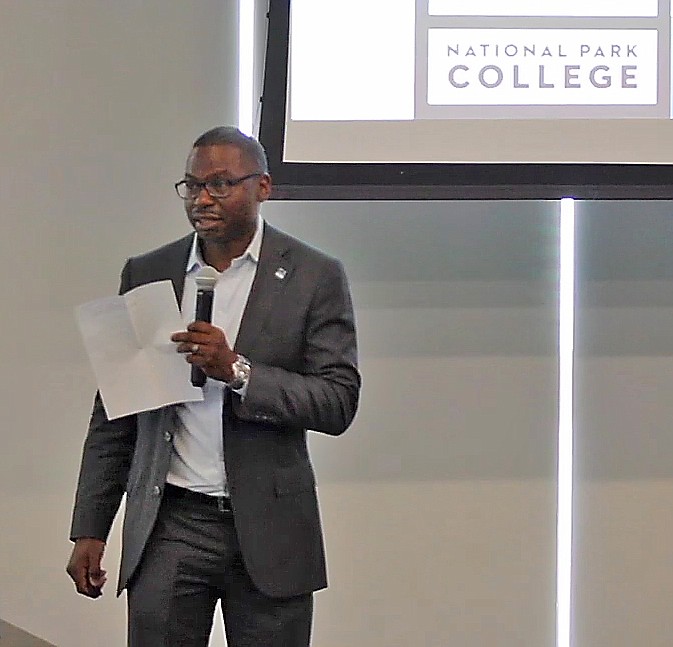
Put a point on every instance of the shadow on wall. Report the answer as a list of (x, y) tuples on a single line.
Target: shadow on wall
[(12, 636)]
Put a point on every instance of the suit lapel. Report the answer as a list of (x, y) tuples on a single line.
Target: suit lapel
[(274, 271), (174, 265)]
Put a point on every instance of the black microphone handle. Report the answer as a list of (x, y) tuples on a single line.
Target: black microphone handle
[(204, 312)]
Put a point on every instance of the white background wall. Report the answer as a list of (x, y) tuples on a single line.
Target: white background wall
[(439, 504), (99, 103), (624, 380)]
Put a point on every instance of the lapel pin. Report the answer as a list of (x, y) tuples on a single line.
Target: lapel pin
[(280, 273)]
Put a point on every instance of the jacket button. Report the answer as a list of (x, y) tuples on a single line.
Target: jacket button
[(167, 436), (156, 490)]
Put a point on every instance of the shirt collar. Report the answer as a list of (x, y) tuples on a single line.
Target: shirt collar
[(195, 261)]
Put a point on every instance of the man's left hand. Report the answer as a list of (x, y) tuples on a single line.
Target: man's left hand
[(206, 346)]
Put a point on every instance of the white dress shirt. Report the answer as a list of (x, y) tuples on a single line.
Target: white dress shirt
[(197, 458)]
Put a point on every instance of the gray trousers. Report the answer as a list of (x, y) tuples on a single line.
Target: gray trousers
[(191, 561)]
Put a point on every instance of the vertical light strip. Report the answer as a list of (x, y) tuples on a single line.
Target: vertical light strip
[(246, 60), (565, 422)]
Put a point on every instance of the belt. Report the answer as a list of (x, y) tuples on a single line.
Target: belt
[(221, 503)]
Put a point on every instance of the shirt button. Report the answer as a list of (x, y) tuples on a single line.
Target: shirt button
[(167, 436), (156, 490)]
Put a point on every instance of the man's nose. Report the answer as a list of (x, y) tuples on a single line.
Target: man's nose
[(203, 196)]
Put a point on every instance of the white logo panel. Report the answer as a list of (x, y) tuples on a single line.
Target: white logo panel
[(550, 8), (542, 67)]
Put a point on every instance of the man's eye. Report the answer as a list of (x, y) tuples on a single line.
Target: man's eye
[(192, 186), (218, 184)]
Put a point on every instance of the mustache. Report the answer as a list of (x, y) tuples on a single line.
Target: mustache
[(200, 212)]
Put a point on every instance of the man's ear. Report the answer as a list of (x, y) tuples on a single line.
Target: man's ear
[(264, 187)]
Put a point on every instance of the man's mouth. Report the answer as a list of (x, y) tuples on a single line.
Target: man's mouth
[(205, 219), (205, 214)]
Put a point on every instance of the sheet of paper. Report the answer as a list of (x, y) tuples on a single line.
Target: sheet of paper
[(128, 341)]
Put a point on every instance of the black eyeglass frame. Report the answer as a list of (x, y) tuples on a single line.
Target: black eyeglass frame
[(199, 186)]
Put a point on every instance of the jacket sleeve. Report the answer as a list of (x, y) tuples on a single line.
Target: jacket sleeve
[(104, 469), (106, 460), (323, 394)]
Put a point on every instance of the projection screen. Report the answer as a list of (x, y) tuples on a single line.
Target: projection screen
[(470, 99)]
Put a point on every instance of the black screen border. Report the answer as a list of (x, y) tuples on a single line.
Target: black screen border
[(413, 181)]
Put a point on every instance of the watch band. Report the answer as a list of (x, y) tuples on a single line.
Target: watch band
[(241, 370)]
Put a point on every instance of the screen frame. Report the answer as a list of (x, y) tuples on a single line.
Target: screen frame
[(414, 181)]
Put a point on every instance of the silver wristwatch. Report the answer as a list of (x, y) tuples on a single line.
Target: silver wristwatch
[(241, 370)]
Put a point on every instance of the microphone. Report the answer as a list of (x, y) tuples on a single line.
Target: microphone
[(205, 279)]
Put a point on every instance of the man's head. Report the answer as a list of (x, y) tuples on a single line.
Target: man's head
[(226, 180), (230, 136)]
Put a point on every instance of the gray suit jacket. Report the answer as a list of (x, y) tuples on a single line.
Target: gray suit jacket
[(298, 331)]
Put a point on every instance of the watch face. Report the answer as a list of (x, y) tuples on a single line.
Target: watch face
[(241, 371)]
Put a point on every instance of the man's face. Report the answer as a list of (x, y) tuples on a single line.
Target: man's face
[(230, 218)]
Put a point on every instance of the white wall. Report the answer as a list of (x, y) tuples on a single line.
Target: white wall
[(439, 504), (624, 446), (99, 103)]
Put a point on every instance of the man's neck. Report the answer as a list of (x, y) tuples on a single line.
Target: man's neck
[(220, 255)]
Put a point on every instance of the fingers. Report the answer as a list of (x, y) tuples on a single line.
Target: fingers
[(83, 584), (204, 327), (84, 567), (206, 346), (190, 348), (78, 574), (97, 578), (198, 354), (201, 338), (189, 342), (201, 330)]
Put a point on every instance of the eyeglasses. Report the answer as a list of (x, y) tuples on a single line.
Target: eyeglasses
[(216, 187)]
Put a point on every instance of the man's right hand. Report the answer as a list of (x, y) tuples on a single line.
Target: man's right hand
[(84, 566)]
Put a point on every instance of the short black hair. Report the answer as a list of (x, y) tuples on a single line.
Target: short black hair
[(232, 136)]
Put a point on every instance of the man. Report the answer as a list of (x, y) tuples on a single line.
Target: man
[(220, 494)]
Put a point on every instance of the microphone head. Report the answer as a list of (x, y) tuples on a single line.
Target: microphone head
[(206, 278)]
